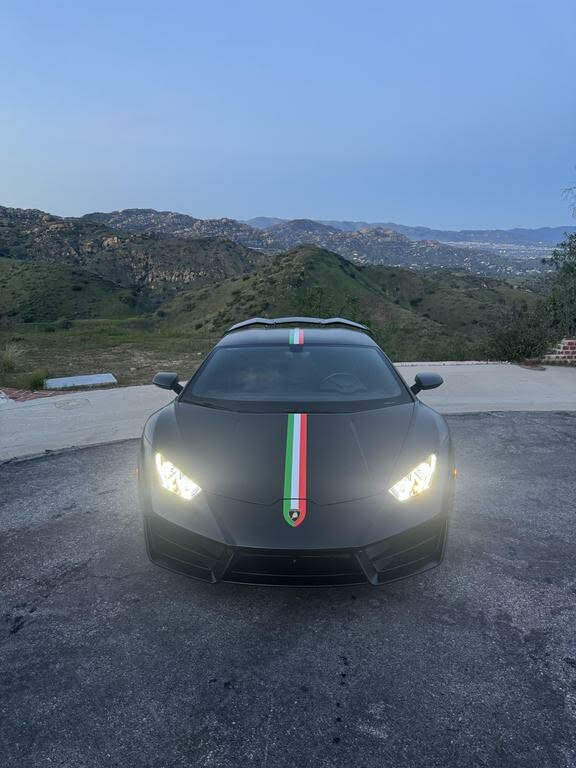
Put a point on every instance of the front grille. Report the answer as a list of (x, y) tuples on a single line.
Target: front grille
[(405, 554), (309, 568)]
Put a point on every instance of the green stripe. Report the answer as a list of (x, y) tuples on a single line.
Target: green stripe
[(292, 336), (288, 470)]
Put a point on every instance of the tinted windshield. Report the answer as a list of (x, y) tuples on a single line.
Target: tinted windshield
[(313, 377)]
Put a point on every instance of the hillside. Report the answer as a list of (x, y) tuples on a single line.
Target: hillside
[(412, 315), (159, 264), (33, 292), (305, 281), (467, 304), (173, 224), (289, 234), (376, 245), (373, 245)]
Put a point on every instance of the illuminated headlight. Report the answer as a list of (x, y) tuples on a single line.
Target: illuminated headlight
[(416, 481), (175, 481)]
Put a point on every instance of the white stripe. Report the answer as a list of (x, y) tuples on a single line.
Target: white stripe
[(295, 457)]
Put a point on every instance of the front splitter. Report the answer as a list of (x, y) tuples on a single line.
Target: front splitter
[(397, 557)]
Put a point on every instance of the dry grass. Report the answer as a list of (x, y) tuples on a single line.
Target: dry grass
[(30, 364), (10, 357)]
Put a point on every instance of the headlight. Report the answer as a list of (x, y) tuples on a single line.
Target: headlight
[(175, 481), (415, 482)]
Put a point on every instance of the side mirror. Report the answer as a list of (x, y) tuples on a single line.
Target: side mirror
[(426, 381), (166, 380)]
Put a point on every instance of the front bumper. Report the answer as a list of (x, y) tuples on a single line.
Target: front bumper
[(397, 557), (217, 539)]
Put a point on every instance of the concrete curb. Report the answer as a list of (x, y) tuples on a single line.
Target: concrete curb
[(46, 454), (436, 363)]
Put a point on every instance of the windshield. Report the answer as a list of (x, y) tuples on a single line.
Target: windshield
[(308, 378)]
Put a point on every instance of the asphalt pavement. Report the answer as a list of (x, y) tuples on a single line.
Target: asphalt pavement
[(107, 660)]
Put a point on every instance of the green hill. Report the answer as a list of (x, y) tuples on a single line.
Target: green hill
[(412, 315), (32, 292), (465, 303)]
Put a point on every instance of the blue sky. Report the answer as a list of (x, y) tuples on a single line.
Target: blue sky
[(446, 113)]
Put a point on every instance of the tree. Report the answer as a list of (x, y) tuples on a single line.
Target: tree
[(562, 299), (570, 195)]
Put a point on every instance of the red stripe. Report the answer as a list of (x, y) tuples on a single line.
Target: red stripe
[(302, 484), (301, 334)]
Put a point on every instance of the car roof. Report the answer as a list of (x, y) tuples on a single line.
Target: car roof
[(254, 336)]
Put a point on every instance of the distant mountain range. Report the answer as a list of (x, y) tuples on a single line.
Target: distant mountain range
[(370, 244), (519, 236), (161, 251)]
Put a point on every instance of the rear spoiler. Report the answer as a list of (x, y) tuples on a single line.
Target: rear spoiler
[(278, 321)]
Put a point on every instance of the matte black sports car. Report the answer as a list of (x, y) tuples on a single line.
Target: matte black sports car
[(296, 454)]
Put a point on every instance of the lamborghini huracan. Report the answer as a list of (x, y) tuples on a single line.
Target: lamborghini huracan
[(296, 455)]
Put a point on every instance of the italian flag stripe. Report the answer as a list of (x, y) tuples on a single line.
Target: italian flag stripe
[(294, 505), (297, 336)]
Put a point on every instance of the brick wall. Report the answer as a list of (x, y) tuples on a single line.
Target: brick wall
[(564, 353)]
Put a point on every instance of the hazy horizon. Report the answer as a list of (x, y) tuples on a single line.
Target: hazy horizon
[(567, 224), (447, 115)]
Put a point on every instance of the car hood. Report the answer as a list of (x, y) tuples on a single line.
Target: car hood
[(242, 455)]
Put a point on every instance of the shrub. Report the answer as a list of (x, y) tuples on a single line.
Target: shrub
[(523, 333), (562, 298), (36, 379), (9, 357)]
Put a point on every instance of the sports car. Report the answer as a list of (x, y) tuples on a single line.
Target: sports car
[(296, 455)]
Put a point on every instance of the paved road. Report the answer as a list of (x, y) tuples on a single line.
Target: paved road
[(106, 660), (90, 418)]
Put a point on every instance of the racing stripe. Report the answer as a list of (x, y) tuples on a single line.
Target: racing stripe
[(288, 469), (302, 473), (297, 336), (295, 484), (295, 469)]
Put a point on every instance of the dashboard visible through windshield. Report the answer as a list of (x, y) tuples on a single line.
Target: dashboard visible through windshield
[(312, 378)]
